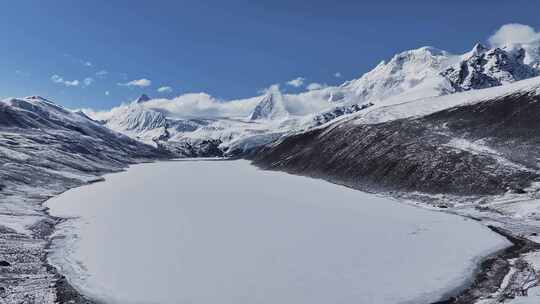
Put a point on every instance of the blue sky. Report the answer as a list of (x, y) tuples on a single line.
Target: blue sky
[(229, 49)]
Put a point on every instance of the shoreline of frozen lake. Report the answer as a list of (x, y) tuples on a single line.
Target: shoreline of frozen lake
[(226, 232)]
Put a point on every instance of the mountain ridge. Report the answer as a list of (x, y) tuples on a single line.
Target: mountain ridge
[(410, 75)]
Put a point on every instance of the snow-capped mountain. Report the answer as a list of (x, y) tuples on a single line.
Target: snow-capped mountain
[(531, 53), (474, 153), (425, 122), (444, 145), (146, 124), (45, 149), (37, 113), (143, 98), (427, 72), (270, 106), (410, 75), (135, 118), (484, 68)]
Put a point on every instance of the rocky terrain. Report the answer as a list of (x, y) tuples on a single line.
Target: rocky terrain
[(410, 75), (457, 133), (45, 150), (437, 153)]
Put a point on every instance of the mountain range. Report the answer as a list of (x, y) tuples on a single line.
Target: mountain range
[(457, 132), (411, 75)]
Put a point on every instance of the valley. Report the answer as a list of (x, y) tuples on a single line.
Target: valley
[(457, 134)]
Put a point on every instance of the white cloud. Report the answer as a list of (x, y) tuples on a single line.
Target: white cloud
[(337, 74), (97, 115), (22, 73), (297, 82), (164, 89), (315, 86), (188, 106), (308, 102), (76, 59), (68, 83), (107, 93), (203, 105), (72, 83), (514, 33), (143, 82), (102, 73), (274, 89), (88, 81)]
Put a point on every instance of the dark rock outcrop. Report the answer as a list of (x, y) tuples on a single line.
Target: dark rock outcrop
[(485, 68), (143, 98), (336, 112)]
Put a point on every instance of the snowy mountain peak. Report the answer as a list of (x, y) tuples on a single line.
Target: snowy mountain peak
[(409, 76), (270, 106), (477, 50), (136, 118), (429, 50), (143, 98), (426, 54), (484, 68), (38, 105), (415, 72), (38, 98), (529, 51)]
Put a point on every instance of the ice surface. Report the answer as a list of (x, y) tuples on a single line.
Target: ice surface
[(225, 232)]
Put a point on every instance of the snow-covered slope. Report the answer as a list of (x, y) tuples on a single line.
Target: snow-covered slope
[(203, 136), (46, 149), (410, 76), (426, 121), (270, 106), (429, 72), (426, 106), (135, 118), (476, 142)]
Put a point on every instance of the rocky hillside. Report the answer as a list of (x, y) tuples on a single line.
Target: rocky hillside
[(486, 142), (484, 68), (45, 150)]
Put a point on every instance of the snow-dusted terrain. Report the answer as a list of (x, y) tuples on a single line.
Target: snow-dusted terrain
[(199, 125), (475, 153), (458, 133), (256, 237), (46, 149)]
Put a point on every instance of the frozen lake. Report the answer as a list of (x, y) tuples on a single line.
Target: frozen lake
[(208, 232)]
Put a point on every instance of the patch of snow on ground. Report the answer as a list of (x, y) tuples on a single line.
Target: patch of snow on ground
[(480, 148)]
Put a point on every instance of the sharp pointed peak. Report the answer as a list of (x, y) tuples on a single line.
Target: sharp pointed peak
[(270, 105), (142, 98), (479, 48)]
